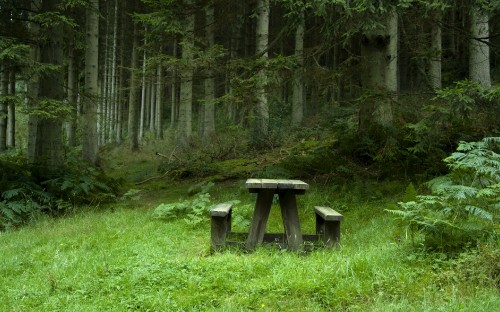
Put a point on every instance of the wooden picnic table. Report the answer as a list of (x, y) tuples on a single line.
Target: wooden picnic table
[(286, 190)]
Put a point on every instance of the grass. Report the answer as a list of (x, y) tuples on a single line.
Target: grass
[(119, 258)]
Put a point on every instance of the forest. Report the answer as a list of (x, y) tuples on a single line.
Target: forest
[(123, 123)]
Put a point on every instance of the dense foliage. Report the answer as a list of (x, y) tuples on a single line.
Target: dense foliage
[(29, 191), (463, 207)]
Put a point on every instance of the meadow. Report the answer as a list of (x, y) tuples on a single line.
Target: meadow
[(117, 257)]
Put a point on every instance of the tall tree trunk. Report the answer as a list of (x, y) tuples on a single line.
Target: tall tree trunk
[(174, 94), (89, 105), (479, 50), (436, 46), (11, 109), (133, 120), (262, 39), (143, 97), (379, 55), (159, 99), (209, 108), (113, 94), (72, 96), (152, 104), (186, 93), (3, 107), (298, 83), (46, 142)]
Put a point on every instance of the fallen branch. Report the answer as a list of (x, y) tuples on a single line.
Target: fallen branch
[(153, 178)]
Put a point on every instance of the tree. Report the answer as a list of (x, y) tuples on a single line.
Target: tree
[(262, 39), (133, 108), (4, 76), (90, 101), (379, 52), (45, 132), (186, 73), (298, 83), (479, 51), (209, 108)]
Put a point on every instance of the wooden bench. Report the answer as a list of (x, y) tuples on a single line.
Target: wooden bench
[(328, 225), (220, 224)]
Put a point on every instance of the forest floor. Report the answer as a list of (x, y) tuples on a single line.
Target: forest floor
[(118, 257)]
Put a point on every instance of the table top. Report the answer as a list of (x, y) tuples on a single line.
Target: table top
[(277, 184)]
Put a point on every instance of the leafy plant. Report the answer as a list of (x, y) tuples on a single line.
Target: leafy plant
[(193, 210), (463, 205)]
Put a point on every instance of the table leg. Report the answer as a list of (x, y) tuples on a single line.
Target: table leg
[(259, 219), (291, 222)]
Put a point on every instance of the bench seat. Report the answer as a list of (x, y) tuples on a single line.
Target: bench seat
[(220, 224), (328, 225)]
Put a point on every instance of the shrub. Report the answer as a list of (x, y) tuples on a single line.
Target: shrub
[(28, 191), (463, 206)]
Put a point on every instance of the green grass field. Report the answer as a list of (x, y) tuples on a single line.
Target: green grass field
[(118, 258)]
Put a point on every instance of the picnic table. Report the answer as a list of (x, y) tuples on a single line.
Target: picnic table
[(286, 190), (327, 219)]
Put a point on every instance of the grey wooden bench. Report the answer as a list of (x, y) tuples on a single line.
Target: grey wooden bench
[(220, 224), (328, 225)]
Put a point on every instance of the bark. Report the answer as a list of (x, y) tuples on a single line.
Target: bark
[(133, 105), (262, 39), (152, 105), (11, 112), (174, 103), (209, 108), (159, 99), (379, 52), (143, 97), (479, 50), (298, 83), (113, 93), (89, 105), (3, 107), (186, 90), (72, 97), (435, 62)]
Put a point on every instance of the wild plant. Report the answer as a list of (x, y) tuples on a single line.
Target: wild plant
[(463, 206)]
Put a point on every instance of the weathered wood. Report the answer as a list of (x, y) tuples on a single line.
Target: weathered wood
[(328, 213), (259, 218), (220, 224), (278, 184), (328, 225), (221, 210), (290, 217)]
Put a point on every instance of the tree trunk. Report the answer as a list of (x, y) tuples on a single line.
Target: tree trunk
[(72, 95), (262, 39), (3, 107), (379, 53), (479, 56), (143, 96), (89, 105), (159, 99), (186, 93), (435, 62), (152, 105), (133, 121), (298, 83), (209, 108), (46, 143), (11, 112)]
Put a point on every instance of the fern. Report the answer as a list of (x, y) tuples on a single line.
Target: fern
[(464, 205)]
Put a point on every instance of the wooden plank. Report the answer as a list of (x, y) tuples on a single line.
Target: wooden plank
[(221, 210), (259, 218), (276, 184), (253, 183), (328, 213), (291, 221)]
